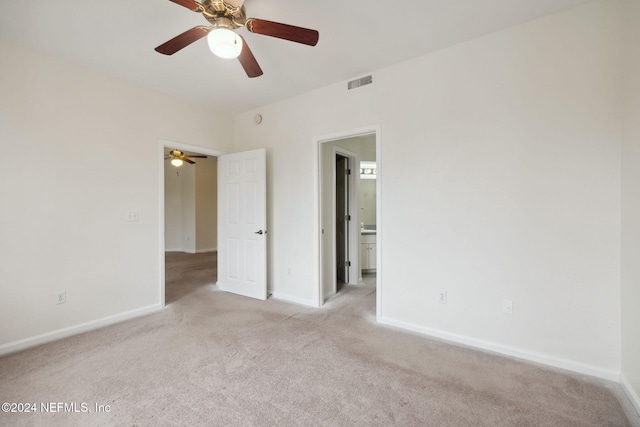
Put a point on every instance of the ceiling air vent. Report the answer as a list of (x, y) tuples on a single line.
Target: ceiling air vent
[(361, 81)]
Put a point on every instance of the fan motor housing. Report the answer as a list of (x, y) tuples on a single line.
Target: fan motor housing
[(222, 15)]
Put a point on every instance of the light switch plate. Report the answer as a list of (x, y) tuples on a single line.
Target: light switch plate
[(132, 216), (442, 297)]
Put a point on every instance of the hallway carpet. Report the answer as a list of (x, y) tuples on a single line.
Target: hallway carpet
[(215, 359)]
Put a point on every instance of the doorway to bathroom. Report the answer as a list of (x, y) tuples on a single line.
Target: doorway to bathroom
[(349, 205)]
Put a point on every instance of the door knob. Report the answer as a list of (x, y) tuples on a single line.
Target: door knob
[(259, 232)]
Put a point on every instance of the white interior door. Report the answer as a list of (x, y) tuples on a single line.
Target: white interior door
[(242, 221)]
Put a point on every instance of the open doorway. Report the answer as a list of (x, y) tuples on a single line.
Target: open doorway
[(349, 232), (190, 223), (189, 212)]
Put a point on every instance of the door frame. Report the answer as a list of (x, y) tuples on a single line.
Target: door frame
[(161, 147), (369, 130)]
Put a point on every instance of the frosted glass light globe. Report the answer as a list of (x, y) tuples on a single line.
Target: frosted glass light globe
[(224, 43)]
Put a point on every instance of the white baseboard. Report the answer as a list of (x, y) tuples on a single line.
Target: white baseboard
[(198, 251), (295, 300), (204, 251), (329, 295), (632, 394), (518, 353), (77, 329)]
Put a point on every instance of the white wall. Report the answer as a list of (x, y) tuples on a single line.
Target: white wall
[(367, 201), (180, 208), (87, 148), (206, 204), (631, 203), (188, 214), (367, 191), (500, 179), (172, 209)]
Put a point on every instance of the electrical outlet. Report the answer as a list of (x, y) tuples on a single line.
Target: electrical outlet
[(442, 297), (507, 306), (61, 297)]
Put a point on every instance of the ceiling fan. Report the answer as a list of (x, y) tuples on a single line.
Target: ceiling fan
[(178, 157), (226, 16)]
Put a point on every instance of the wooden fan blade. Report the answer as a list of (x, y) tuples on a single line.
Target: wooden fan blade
[(191, 162), (190, 4), (283, 31), (248, 61), (183, 40), (196, 157)]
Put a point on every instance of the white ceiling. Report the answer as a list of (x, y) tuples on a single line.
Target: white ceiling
[(356, 37)]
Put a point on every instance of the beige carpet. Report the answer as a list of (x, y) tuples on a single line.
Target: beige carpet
[(216, 359)]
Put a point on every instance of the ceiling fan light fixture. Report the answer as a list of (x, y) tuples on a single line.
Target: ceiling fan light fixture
[(233, 3), (176, 162), (224, 43)]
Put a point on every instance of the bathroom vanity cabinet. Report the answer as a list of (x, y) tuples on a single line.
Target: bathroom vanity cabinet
[(368, 252)]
